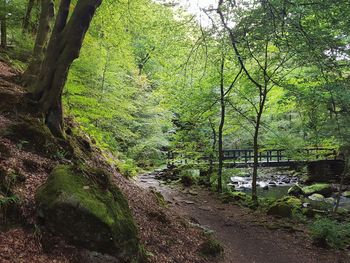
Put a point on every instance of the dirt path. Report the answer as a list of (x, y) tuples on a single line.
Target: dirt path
[(246, 236)]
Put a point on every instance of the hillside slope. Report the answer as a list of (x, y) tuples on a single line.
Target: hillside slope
[(27, 156)]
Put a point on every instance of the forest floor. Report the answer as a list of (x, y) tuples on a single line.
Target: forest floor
[(247, 236)]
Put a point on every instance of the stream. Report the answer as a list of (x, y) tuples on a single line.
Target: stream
[(274, 184)]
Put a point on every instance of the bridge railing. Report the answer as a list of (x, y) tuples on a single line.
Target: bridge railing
[(280, 155), (264, 156)]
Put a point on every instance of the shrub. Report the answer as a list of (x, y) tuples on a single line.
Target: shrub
[(211, 247), (189, 177), (127, 168), (329, 233)]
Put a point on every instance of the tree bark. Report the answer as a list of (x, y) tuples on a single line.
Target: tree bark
[(221, 125), (46, 16), (3, 30), (64, 47), (213, 150), (27, 16), (256, 154)]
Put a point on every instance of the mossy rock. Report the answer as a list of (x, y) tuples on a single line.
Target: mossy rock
[(317, 197), (295, 190), (31, 135), (346, 194), (323, 189), (235, 197), (285, 207), (86, 213)]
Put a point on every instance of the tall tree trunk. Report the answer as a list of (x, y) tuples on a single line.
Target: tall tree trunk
[(28, 14), (46, 16), (346, 152), (256, 154), (221, 125), (213, 150), (3, 30), (64, 47)]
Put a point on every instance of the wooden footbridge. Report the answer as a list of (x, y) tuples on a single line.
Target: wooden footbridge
[(266, 158)]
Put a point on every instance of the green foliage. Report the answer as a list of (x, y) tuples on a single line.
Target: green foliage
[(211, 247), (127, 167), (9, 200), (329, 233), (189, 177), (149, 81)]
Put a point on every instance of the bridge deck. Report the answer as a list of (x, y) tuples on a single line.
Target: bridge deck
[(268, 158)]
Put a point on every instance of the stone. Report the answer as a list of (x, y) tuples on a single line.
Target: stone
[(295, 190), (323, 189), (285, 207), (97, 218), (193, 192), (272, 184), (330, 200), (237, 179), (229, 197), (325, 170), (346, 194), (286, 180), (317, 197)]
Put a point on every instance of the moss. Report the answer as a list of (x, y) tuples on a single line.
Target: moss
[(346, 194), (323, 189), (159, 197), (32, 135), (87, 212), (235, 197), (285, 207), (295, 190)]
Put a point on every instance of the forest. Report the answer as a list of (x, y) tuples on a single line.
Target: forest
[(175, 131)]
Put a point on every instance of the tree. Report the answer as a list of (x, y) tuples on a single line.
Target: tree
[(63, 48), (44, 30), (256, 41), (28, 14), (3, 24)]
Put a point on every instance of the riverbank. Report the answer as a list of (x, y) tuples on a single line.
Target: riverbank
[(247, 236)]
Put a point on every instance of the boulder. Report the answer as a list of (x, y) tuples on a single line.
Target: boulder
[(83, 207), (330, 200), (295, 190), (234, 197), (317, 197), (325, 170), (285, 207), (323, 189), (346, 194)]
